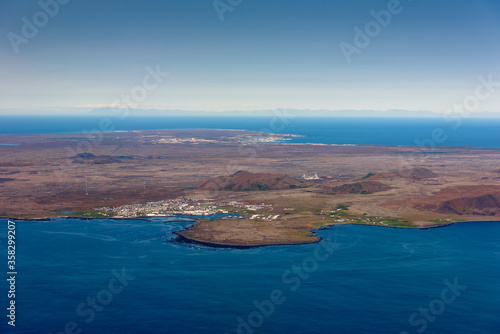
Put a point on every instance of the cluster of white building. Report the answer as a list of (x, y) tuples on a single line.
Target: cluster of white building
[(192, 140), (198, 207), (270, 217), (261, 138)]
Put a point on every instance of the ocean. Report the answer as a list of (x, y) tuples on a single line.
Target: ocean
[(129, 276), (428, 132)]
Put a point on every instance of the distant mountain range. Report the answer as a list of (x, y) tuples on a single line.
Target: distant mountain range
[(273, 112), (109, 111)]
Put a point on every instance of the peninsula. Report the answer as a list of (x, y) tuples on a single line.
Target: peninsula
[(279, 192)]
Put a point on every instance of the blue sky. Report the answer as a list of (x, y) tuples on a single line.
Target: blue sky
[(265, 54)]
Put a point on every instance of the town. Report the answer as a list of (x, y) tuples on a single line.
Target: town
[(241, 139), (191, 207)]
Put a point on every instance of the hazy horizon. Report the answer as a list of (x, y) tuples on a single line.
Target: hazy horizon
[(71, 57), (119, 112)]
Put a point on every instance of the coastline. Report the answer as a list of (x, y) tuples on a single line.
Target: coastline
[(357, 183), (184, 239), (181, 237)]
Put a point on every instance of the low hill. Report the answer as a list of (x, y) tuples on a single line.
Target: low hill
[(417, 173), (89, 158), (488, 205), (362, 187), (246, 181)]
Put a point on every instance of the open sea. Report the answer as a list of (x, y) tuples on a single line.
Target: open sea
[(130, 276), (378, 131)]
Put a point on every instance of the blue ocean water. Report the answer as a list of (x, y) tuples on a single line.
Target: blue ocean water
[(378, 131), (128, 276)]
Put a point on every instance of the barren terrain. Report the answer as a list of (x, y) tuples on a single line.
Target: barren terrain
[(392, 186)]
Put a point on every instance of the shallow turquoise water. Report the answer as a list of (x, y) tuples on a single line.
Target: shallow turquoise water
[(359, 279)]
